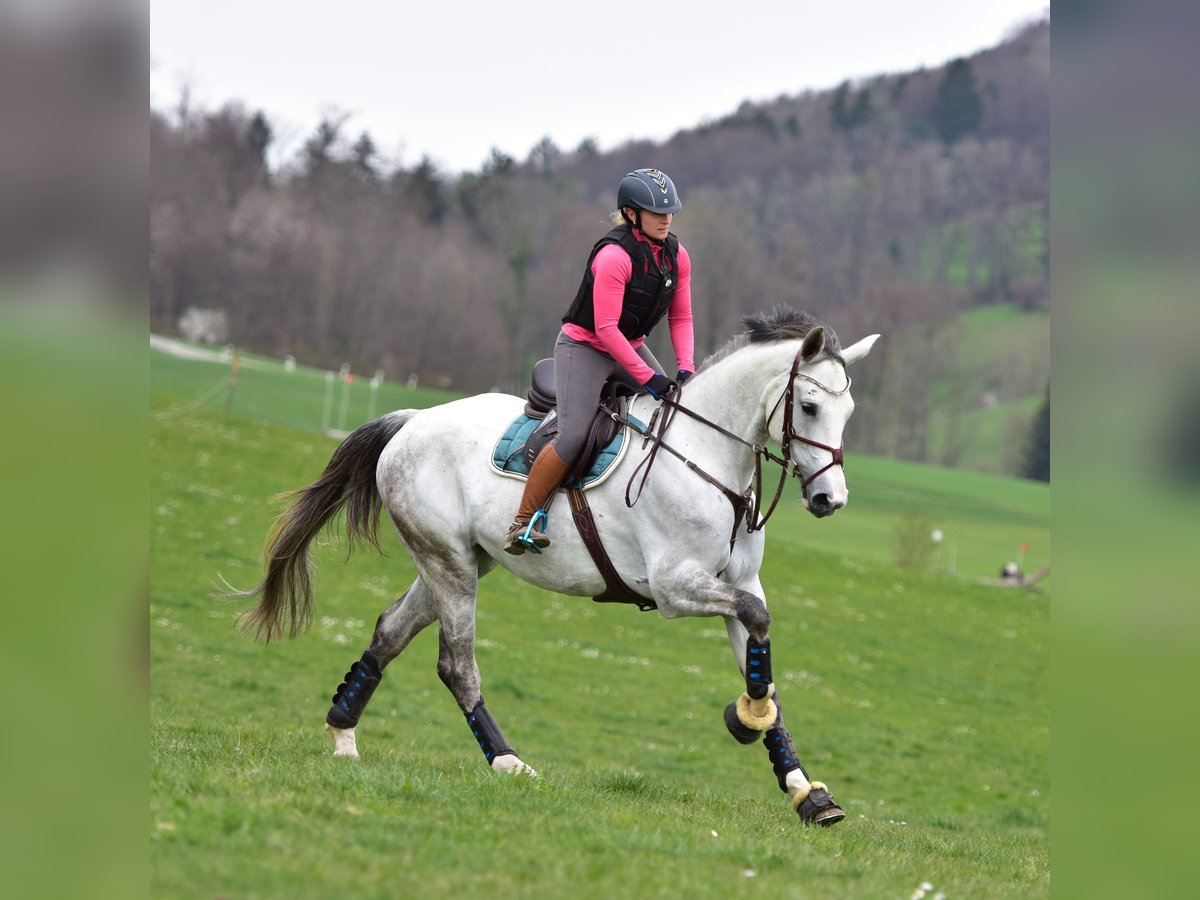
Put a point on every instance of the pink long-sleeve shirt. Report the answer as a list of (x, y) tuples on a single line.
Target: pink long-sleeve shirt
[(612, 269)]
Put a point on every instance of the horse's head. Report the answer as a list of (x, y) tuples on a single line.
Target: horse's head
[(811, 414)]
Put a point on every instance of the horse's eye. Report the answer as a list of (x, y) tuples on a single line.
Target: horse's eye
[(810, 409)]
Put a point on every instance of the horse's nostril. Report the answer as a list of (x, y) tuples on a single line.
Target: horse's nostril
[(820, 501)]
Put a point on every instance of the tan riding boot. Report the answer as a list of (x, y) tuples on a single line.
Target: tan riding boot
[(546, 474)]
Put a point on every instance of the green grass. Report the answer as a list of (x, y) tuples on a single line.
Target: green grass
[(303, 398), (993, 439), (984, 519), (920, 698), (988, 330)]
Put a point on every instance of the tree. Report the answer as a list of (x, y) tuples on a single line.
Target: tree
[(588, 148), (364, 159), (1037, 458), (258, 138), (861, 110), (318, 149), (958, 107), (545, 156), (843, 115), (427, 192), (837, 107), (499, 163)]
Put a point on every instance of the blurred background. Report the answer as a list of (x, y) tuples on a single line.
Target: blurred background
[(73, 549), (914, 203)]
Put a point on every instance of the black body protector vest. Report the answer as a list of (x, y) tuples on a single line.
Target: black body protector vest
[(648, 293)]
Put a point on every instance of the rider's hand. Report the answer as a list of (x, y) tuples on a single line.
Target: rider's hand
[(683, 376), (659, 386)]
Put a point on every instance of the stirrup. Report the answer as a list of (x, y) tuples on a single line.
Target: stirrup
[(529, 539)]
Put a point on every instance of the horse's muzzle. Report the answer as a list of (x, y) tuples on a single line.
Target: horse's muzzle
[(822, 505)]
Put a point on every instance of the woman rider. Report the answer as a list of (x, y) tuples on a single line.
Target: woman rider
[(636, 274)]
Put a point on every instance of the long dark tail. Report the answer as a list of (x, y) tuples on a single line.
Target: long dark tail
[(286, 592)]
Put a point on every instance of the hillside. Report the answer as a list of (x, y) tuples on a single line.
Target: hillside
[(892, 205)]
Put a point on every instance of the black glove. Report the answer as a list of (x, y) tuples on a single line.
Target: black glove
[(683, 376), (659, 386)]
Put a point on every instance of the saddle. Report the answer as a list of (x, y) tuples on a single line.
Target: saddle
[(541, 404)]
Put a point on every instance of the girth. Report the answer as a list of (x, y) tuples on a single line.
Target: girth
[(615, 588)]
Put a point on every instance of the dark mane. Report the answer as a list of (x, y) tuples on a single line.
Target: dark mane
[(783, 323)]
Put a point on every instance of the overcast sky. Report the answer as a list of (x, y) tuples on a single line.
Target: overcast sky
[(452, 79)]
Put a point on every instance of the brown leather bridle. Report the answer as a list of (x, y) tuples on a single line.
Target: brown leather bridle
[(749, 503), (789, 431)]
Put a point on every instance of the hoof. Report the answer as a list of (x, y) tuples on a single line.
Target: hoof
[(819, 808), (512, 765), (740, 732), (344, 742)]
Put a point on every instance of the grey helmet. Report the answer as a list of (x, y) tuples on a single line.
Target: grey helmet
[(648, 189)]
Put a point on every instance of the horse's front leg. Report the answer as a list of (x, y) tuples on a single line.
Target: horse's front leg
[(811, 799), (691, 591)]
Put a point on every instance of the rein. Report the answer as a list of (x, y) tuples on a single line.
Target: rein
[(747, 504)]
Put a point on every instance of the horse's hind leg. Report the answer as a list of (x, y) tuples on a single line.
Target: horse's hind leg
[(454, 588), (395, 628)]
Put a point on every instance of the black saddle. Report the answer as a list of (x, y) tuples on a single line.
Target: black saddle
[(540, 404)]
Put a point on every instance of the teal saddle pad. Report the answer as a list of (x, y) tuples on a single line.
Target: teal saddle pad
[(508, 457)]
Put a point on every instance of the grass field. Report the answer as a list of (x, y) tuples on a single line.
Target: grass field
[(304, 398), (919, 697)]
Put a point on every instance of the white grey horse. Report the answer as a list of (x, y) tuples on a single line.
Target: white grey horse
[(689, 544)]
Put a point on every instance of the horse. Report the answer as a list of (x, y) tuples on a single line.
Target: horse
[(690, 548)]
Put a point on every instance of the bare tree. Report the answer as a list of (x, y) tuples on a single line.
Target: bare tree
[(862, 215)]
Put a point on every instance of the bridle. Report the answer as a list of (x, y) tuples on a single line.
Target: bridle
[(747, 504), (789, 431)]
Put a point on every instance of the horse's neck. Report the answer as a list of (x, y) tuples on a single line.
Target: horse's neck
[(736, 394)]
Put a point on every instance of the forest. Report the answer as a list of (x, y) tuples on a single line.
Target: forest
[(902, 204)]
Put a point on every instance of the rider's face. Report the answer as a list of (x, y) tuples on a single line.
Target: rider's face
[(654, 225)]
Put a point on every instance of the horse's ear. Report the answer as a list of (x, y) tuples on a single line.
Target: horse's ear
[(855, 352), (813, 344)]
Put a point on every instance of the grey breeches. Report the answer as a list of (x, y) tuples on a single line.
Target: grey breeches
[(580, 371)]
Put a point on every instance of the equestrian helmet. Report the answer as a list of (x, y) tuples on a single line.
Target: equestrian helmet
[(648, 189)]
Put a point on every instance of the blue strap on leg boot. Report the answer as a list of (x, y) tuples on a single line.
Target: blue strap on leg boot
[(352, 695), (491, 739), (819, 807), (782, 751), (758, 668), (758, 684)]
